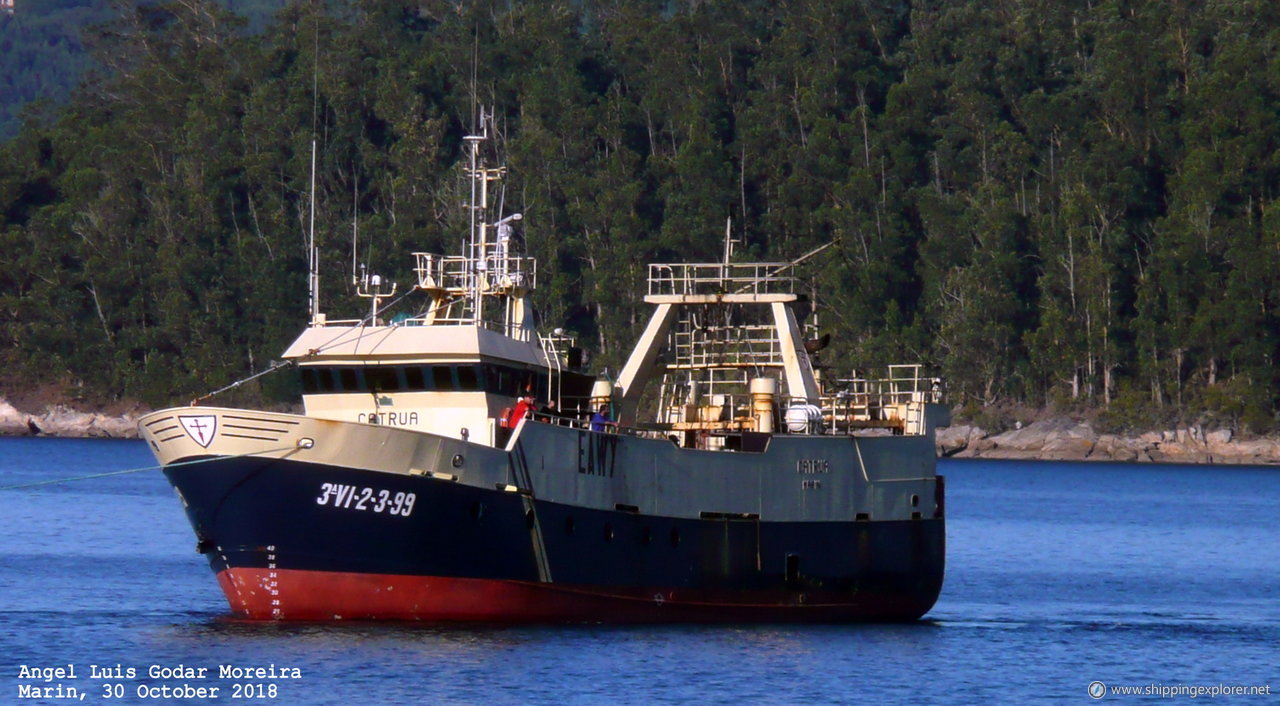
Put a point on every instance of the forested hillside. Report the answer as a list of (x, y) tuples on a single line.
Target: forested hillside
[(43, 52), (1052, 202)]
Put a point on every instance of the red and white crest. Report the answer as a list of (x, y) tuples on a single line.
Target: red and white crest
[(200, 427)]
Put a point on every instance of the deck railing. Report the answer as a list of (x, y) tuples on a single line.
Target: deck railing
[(720, 278), (458, 273)]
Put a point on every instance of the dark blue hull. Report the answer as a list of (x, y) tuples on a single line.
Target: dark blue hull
[(272, 518)]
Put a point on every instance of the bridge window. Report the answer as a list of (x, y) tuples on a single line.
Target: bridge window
[(413, 379), (467, 377), (441, 377), (382, 379), (500, 380), (445, 377), (349, 381)]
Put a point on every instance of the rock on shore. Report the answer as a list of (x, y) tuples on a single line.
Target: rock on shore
[(63, 421), (1063, 439)]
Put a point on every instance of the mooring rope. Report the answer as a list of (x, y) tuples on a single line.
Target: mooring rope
[(141, 470)]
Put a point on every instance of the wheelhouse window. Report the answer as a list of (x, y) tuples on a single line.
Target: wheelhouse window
[(466, 375), (350, 381), (382, 379), (310, 379), (413, 378), (444, 377)]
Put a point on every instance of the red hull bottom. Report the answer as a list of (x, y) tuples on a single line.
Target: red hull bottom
[(290, 594)]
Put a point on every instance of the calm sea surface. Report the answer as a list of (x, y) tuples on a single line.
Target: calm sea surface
[(1059, 574)]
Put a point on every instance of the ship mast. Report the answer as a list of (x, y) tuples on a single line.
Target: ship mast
[(489, 285), (313, 255), (474, 205)]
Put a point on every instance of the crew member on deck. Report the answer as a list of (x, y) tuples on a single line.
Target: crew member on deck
[(550, 411), (600, 420), (523, 409)]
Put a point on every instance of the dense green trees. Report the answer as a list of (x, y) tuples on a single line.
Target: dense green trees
[(43, 50), (41, 54), (1051, 202)]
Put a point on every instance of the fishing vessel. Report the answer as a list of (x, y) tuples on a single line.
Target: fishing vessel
[(454, 464)]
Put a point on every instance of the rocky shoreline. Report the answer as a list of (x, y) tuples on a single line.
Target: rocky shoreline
[(1056, 439), (62, 421), (1064, 439)]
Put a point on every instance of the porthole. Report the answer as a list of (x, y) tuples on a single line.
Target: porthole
[(675, 536), (915, 501), (457, 460), (477, 510), (608, 532)]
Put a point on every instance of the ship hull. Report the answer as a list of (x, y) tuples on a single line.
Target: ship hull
[(256, 594), (296, 540)]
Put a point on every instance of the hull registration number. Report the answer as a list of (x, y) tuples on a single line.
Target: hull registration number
[(352, 497)]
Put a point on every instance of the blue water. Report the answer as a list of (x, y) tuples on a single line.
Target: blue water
[(1058, 574)]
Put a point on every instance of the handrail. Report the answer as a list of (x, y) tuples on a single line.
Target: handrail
[(456, 271), (713, 278)]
